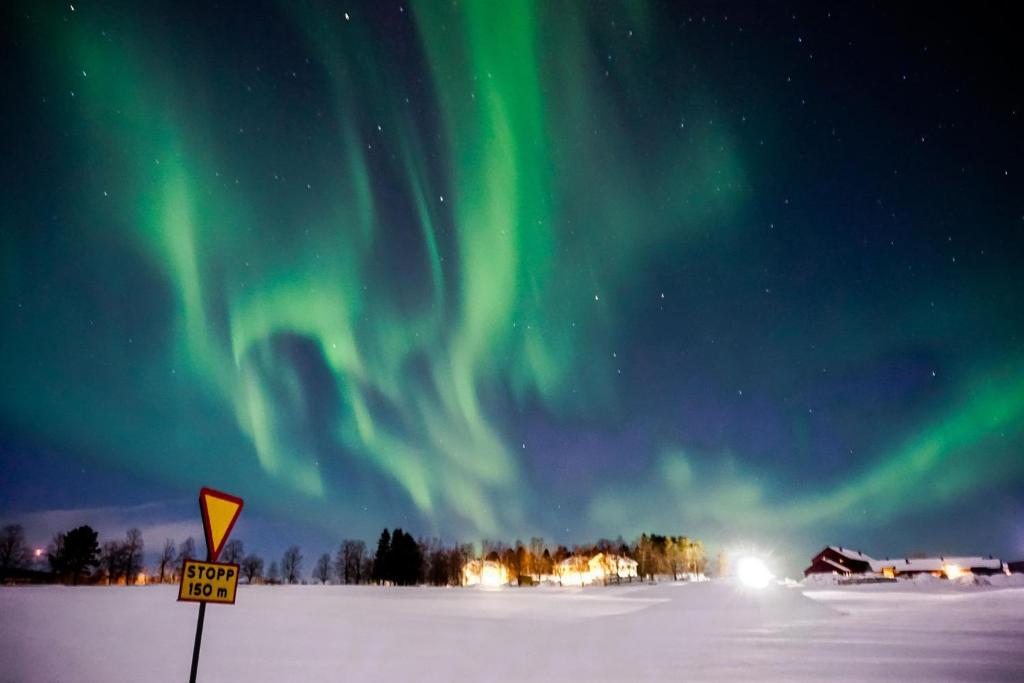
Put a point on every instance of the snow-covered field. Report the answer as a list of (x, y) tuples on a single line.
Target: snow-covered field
[(669, 632)]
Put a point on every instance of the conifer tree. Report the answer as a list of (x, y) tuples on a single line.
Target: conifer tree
[(381, 571)]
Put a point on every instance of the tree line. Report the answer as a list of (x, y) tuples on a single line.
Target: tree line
[(401, 560), (76, 556)]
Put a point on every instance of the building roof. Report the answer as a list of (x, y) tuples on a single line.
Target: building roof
[(918, 564), (619, 560), (838, 566), (852, 554), (935, 564)]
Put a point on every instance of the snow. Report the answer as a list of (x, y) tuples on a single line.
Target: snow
[(706, 631), (921, 564), (852, 554)]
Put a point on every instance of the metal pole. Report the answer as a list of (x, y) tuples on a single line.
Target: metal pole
[(199, 639)]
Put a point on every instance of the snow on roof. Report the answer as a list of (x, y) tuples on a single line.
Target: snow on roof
[(838, 566), (911, 564), (935, 564), (851, 554), (619, 560)]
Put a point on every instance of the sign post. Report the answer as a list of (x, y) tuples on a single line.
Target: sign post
[(210, 581)]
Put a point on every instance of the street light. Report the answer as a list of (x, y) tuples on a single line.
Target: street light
[(752, 572)]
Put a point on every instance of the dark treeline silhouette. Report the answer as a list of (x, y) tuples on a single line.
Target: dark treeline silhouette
[(77, 556), (73, 554), (15, 555), (401, 560)]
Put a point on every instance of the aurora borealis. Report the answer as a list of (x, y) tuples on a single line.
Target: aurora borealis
[(501, 269)]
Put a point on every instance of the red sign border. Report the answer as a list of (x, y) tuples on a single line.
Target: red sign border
[(234, 594), (211, 553)]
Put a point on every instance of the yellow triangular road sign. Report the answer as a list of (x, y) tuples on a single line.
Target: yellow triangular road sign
[(220, 510)]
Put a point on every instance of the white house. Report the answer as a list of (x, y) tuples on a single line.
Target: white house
[(581, 571)]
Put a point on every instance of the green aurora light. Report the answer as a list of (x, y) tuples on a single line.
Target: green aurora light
[(305, 277)]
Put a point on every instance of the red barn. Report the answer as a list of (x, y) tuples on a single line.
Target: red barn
[(835, 559)]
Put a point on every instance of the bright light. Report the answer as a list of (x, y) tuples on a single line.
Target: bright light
[(491, 576), (953, 571), (752, 572), (39, 552)]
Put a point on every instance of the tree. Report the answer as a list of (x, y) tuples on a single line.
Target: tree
[(133, 549), (14, 552), (233, 552), (380, 559), (291, 564), (696, 558), (722, 565), (252, 567), (111, 560), (645, 557), (523, 562), (404, 560), (541, 565), (166, 562), (510, 560), (579, 566), (322, 571), (351, 556), (187, 550), (123, 559), (457, 559), (674, 550), (366, 570), (72, 554), (547, 564), (273, 574), (436, 557)]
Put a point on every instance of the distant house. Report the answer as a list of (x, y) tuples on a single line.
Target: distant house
[(846, 562), (1015, 567), (578, 570), (488, 572), (835, 559)]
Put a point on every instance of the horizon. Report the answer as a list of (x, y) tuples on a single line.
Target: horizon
[(744, 274)]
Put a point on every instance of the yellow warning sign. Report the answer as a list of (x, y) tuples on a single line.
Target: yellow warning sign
[(208, 582), (220, 510)]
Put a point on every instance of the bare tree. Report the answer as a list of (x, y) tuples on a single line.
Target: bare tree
[(111, 560), (14, 552), (578, 564), (187, 549), (166, 561), (366, 570), (273, 574), (233, 552), (322, 572), (457, 559), (123, 559), (534, 558), (291, 565), (435, 555), (350, 559), (133, 549), (252, 567)]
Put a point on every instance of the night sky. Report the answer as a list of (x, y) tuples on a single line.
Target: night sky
[(500, 269)]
